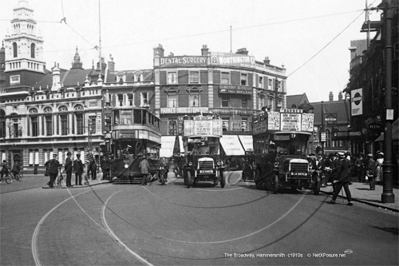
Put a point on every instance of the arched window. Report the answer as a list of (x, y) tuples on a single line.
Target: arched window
[(15, 49), (32, 50), (79, 119), (48, 120), (62, 108)]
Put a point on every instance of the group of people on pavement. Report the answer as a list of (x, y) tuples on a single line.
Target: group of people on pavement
[(339, 168), (53, 168)]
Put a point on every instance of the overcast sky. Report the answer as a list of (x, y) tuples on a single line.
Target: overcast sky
[(289, 32)]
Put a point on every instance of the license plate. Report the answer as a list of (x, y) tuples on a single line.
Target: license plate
[(206, 171), (298, 174)]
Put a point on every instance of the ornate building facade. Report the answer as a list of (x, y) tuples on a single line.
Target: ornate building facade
[(232, 86)]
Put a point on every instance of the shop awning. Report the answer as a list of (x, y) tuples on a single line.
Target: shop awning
[(231, 145), (168, 143), (395, 132), (247, 142)]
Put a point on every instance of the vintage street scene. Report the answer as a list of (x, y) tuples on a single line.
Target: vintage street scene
[(199, 132)]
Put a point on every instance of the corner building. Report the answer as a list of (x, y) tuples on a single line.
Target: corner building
[(233, 86)]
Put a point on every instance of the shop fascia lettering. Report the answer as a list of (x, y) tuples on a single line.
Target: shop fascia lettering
[(184, 60), (232, 60)]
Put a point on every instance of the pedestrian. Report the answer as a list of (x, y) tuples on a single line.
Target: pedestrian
[(327, 168), (370, 171), (92, 168), (68, 169), (144, 167), (343, 179), (105, 166), (351, 164), (379, 172), (334, 167), (359, 168), (16, 169), (53, 165), (78, 169), (4, 169)]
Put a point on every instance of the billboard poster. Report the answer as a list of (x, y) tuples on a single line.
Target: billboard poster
[(202, 127), (357, 102), (273, 121), (307, 122), (291, 122)]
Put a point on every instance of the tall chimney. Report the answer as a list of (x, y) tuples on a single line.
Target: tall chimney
[(111, 63), (204, 50), (331, 96), (159, 51), (340, 96)]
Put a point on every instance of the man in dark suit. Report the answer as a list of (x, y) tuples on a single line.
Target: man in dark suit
[(105, 165), (343, 179), (53, 165), (78, 169), (68, 169)]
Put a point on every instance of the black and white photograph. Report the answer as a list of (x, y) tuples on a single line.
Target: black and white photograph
[(199, 132)]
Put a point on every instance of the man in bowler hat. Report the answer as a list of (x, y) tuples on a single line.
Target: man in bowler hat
[(78, 169)]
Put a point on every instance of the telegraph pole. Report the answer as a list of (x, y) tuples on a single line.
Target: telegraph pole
[(387, 195)]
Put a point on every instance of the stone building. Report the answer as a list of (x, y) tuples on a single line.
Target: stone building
[(232, 86)]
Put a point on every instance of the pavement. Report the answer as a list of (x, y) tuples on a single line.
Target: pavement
[(361, 193)]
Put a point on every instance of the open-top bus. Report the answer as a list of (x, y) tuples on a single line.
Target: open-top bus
[(135, 134), (280, 151), (202, 151)]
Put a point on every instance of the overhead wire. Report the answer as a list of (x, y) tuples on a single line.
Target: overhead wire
[(325, 46), (330, 41), (235, 29)]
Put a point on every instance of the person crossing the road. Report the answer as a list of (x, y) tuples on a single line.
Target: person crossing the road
[(343, 179), (53, 166)]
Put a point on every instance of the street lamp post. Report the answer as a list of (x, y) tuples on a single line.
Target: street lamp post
[(387, 195)]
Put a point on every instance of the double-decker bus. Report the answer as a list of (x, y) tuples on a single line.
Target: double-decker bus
[(280, 151), (135, 134), (201, 137)]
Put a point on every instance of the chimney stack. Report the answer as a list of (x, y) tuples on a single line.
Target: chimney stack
[(331, 96), (243, 51), (266, 61), (204, 50), (111, 63), (159, 51)]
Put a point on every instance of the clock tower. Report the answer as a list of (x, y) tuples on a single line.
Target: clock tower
[(24, 63)]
